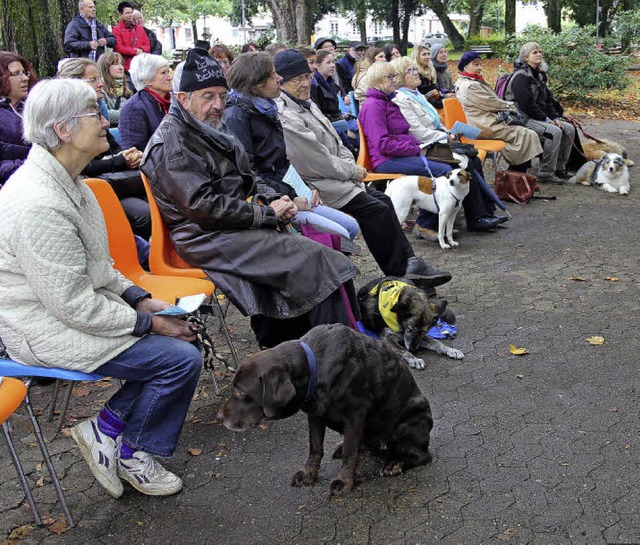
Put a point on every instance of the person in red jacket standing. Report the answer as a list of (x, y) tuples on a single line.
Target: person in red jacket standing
[(131, 39)]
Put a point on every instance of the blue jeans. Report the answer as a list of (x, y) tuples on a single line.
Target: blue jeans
[(413, 166), (161, 375), (416, 166), (330, 218)]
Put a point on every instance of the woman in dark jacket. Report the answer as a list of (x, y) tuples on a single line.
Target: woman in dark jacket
[(141, 115), (428, 75), (528, 89), (16, 79), (252, 116)]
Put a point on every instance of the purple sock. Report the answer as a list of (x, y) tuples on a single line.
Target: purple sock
[(109, 423), (126, 451)]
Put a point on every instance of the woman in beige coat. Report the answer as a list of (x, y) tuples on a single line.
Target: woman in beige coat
[(482, 106)]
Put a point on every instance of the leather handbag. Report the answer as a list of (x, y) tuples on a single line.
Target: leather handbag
[(516, 187)]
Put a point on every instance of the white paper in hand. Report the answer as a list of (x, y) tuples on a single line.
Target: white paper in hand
[(185, 305)]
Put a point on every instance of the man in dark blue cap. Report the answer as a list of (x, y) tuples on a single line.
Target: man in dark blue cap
[(346, 65)]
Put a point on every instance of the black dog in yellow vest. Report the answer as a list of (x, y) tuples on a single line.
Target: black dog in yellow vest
[(401, 314)]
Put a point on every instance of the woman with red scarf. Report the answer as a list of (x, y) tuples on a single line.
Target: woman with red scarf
[(482, 107), (142, 113)]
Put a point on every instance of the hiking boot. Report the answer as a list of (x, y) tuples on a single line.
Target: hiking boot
[(146, 475), (101, 454), (551, 179), (425, 234), (424, 275)]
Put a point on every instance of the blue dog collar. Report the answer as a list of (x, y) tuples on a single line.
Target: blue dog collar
[(313, 368)]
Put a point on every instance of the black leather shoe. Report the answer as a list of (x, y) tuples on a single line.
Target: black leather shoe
[(424, 275), (484, 224), (501, 219), (563, 174), (553, 179)]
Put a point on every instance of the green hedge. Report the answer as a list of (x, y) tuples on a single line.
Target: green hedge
[(495, 41), (576, 67)]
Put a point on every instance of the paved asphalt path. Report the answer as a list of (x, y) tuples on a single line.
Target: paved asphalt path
[(541, 448)]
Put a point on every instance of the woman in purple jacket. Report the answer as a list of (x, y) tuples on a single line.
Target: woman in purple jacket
[(391, 147), (393, 150), (16, 79)]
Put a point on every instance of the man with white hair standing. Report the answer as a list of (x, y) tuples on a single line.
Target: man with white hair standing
[(156, 45), (85, 36), (225, 220)]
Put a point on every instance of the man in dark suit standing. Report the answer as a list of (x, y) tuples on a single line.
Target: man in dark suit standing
[(85, 36)]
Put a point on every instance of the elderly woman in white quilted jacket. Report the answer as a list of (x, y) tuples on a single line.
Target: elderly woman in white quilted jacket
[(62, 304)]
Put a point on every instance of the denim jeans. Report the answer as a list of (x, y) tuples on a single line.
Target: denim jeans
[(412, 166), (325, 216), (161, 375)]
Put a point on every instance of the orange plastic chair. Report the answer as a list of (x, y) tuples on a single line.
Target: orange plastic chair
[(365, 161), (453, 112), (12, 393), (124, 253), (163, 259)]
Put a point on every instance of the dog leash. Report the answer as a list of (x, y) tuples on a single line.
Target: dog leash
[(313, 369)]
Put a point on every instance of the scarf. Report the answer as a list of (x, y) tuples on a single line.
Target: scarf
[(472, 76), (266, 106), (118, 88), (304, 103), (163, 101), (420, 99), (326, 83)]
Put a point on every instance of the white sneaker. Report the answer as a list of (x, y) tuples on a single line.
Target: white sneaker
[(101, 454), (146, 475)]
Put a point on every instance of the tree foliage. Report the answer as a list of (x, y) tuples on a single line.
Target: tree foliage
[(576, 66)]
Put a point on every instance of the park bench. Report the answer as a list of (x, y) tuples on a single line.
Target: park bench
[(483, 49), (177, 56)]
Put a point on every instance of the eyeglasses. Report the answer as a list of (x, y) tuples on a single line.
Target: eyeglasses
[(412, 70), (20, 74), (305, 78), (93, 81), (97, 115)]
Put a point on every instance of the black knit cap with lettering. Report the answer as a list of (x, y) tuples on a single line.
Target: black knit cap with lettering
[(201, 71)]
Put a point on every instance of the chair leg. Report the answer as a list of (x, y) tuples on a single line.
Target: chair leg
[(65, 405), (225, 330), (21, 476), (216, 386), (54, 400), (47, 460), (495, 161)]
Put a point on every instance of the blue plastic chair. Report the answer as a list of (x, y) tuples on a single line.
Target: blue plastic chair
[(11, 368)]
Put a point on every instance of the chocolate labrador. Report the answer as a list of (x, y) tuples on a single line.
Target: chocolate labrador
[(343, 380)]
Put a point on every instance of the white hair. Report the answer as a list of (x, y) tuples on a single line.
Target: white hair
[(177, 76), (144, 67), (53, 102)]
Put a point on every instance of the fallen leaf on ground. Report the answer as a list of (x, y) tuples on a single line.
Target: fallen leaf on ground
[(194, 451), (40, 482), (21, 532), (627, 446), (517, 351), (611, 279), (263, 426), (613, 410), (595, 340), (578, 279), (508, 534), (60, 526)]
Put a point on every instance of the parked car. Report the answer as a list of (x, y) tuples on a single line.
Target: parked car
[(436, 38)]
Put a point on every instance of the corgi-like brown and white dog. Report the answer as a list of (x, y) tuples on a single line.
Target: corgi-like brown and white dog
[(442, 196), (610, 174)]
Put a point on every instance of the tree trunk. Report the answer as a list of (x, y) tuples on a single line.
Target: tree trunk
[(440, 9), (510, 17), (302, 26), (361, 19), (34, 28), (284, 20), (476, 12), (194, 30), (394, 8), (408, 9), (553, 10)]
